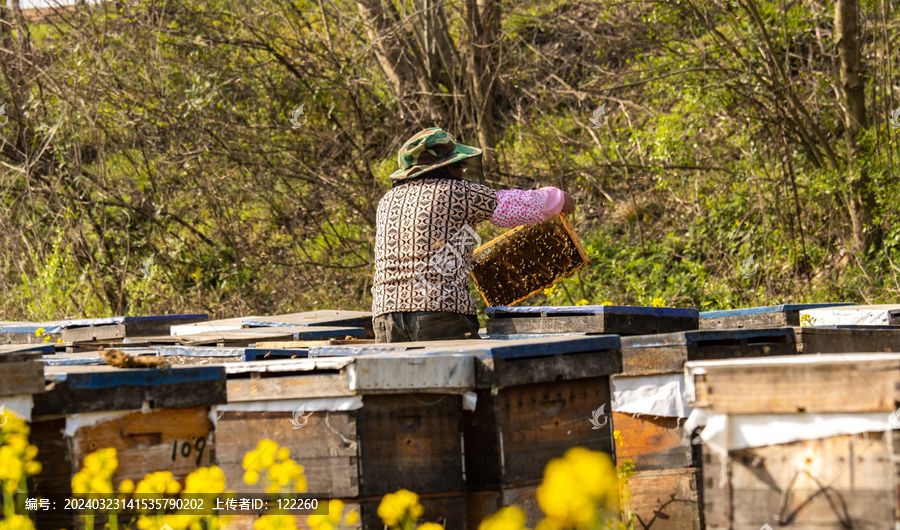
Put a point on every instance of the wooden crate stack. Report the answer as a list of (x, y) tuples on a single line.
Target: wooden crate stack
[(807, 441), (535, 400), (362, 427), (156, 420), (649, 411)]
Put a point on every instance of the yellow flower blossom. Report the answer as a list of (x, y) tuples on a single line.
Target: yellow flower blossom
[(582, 302), (38, 332), (95, 475), (658, 302), (578, 489), (607, 303), (332, 521), (400, 509), (279, 472), (510, 518), (16, 522), (430, 526)]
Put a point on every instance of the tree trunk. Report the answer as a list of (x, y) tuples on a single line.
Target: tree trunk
[(861, 200), (483, 24)]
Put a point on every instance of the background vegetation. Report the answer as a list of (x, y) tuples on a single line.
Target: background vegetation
[(161, 129)]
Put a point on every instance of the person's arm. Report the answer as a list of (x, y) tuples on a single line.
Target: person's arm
[(527, 207)]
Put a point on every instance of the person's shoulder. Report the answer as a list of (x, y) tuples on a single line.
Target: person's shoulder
[(481, 189)]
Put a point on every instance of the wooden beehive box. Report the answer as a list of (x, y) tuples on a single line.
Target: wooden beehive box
[(666, 353), (620, 320), (847, 339), (759, 317), (649, 410), (535, 400), (527, 259), (362, 426), (805, 441), (156, 420)]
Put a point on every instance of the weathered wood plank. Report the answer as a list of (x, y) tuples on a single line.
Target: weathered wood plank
[(225, 324), (621, 320), (6, 349), (399, 372), (119, 327), (654, 442), (526, 259), (293, 344), (74, 389), (845, 481), (667, 499), (409, 441), (144, 442), (362, 319), (823, 383), (512, 435), (325, 446), (667, 353), (231, 339), (24, 377), (758, 317)]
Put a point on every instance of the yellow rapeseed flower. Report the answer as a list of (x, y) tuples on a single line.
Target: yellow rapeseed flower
[(578, 489), (510, 518), (399, 508), (430, 526), (658, 302), (38, 332)]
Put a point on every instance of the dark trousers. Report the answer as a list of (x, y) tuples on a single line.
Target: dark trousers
[(417, 326)]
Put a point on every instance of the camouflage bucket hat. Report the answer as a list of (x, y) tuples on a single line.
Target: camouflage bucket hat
[(434, 148)]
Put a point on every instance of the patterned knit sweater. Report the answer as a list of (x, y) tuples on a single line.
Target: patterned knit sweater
[(425, 235)]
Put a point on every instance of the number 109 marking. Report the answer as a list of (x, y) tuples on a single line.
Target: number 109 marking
[(186, 448)]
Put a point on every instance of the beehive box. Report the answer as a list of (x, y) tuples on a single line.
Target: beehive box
[(362, 426), (526, 259), (666, 353), (649, 410), (847, 339), (859, 315), (620, 320), (156, 421), (759, 317), (21, 377), (535, 400), (799, 442)]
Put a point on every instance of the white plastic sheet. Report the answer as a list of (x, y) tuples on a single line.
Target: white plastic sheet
[(725, 433), (655, 395), (870, 315), (20, 404)]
